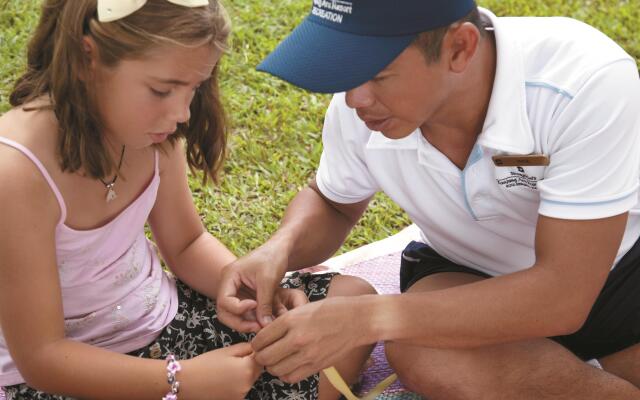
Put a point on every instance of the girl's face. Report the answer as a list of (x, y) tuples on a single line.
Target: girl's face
[(141, 102)]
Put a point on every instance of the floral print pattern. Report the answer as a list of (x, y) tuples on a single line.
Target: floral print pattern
[(196, 330)]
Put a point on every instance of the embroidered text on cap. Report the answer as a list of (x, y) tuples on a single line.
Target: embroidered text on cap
[(332, 10)]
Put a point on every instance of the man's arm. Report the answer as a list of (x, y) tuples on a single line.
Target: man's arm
[(313, 228), (551, 298)]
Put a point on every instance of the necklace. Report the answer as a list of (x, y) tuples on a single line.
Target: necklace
[(111, 193)]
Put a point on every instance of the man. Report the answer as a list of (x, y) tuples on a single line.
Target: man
[(514, 144)]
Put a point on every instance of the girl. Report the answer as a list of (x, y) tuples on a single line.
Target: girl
[(118, 98)]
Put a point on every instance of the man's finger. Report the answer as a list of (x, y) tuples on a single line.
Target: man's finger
[(250, 316), (288, 299), (246, 293), (234, 305), (248, 327), (279, 304), (270, 344), (264, 295), (279, 307), (229, 285), (238, 323), (297, 298), (232, 312), (287, 365), (299, 374)]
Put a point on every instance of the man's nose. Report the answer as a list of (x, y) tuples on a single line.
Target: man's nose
[(360, 97)]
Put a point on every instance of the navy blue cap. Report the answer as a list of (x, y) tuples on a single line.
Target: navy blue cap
[(344, 43)]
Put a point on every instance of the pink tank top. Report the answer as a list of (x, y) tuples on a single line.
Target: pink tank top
[(114, 291)]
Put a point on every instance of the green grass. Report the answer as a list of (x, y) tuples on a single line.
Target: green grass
[(275, 144)]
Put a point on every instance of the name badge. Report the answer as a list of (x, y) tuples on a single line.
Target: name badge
[(524, 160)]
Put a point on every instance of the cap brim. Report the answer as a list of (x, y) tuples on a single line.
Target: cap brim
[(320, 59)]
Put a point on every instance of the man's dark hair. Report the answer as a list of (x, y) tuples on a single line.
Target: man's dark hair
[(430, 42)]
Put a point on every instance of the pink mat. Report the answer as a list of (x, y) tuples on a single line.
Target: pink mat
[(383, 273)]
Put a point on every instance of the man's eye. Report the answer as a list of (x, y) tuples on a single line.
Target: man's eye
[(160, 93)]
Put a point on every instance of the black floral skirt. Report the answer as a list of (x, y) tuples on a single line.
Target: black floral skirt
[(196, 330)]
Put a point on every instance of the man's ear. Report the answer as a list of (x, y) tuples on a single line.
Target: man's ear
[(460, 45)]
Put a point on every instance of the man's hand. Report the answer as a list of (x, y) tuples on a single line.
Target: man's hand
[(288, 299), (309, 338), (249, 294), (283, 301)]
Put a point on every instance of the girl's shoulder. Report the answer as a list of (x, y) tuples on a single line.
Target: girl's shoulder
[(37, 130), (23, 183)]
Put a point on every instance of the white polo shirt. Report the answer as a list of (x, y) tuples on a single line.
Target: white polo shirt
[(562, 89)]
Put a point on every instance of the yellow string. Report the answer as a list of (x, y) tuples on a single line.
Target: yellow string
[(336, 380)]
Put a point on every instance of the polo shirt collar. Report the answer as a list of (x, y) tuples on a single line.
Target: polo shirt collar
[(506, 126)]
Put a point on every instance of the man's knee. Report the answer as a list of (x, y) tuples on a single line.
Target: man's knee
[(346, 285), (433, 374), (400, 361), (624, 364), (536, 369)]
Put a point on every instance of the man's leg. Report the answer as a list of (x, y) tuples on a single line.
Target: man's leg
[(351, 367), (625, 364), (536, 369)]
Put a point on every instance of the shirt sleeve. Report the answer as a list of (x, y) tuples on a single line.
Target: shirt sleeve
[(595, 148), (343, 175)]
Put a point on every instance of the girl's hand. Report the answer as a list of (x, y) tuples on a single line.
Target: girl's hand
[(227, 373)]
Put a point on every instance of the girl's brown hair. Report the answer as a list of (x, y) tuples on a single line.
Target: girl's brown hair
[(56, 60)]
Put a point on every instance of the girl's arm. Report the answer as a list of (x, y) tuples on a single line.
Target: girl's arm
[(194, 255), (32, 321), (31, 312)]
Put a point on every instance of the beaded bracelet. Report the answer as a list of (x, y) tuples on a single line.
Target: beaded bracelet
[(173, 366)]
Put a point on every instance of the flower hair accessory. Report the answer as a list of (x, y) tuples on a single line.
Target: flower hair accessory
[(173, 367), (112, 10)]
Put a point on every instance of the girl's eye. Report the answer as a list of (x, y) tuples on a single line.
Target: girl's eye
[(160, 93)]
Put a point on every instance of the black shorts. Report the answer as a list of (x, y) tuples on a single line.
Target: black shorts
[(612, 325)]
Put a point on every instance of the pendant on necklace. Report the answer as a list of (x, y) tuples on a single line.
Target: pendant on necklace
[(111, 193)]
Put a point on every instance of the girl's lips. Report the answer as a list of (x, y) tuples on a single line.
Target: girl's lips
[(159, 137)]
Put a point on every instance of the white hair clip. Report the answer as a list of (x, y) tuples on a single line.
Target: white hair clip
[(112, 10)]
